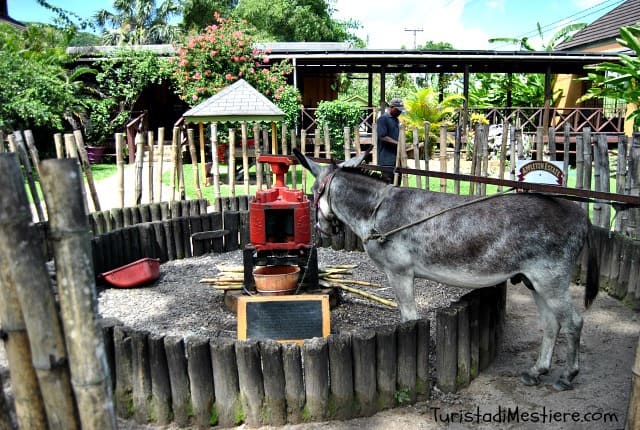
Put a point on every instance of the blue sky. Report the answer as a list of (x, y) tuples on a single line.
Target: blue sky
[(466, 24)]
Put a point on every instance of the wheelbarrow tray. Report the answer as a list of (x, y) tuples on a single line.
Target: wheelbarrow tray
[(134, 274)]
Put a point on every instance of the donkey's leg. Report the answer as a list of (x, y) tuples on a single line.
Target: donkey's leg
[(402, 284), (571, 323), (550, 327)]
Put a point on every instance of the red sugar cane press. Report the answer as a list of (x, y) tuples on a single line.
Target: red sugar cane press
[(280, 228)]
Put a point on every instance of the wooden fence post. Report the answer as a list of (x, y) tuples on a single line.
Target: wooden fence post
[(77, 293), (20, 250)]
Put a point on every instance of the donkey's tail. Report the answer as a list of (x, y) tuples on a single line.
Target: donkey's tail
[(593, 271)]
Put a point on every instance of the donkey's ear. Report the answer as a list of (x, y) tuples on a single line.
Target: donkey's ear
[(308, 163), (355, 161)]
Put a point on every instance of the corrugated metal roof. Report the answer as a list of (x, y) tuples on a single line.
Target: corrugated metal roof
[(237, 102), (604, 29)]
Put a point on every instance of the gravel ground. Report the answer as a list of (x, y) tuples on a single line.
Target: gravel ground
[(178, 304)]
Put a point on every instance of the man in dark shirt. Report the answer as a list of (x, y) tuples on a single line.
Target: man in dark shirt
[(388, 130)]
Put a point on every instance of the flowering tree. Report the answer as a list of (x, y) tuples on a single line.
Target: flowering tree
[(223, 54)]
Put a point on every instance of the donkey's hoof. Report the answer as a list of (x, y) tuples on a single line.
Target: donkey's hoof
[(562, 384), (529, 380)]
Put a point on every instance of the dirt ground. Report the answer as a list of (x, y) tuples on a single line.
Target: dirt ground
[(497, 399)]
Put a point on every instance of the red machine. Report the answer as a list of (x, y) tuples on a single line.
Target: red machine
[(280, 227)]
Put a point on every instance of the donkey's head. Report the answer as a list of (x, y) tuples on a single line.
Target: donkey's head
[(326, 221)]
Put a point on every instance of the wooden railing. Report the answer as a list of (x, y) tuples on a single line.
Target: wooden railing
[(532, 117)]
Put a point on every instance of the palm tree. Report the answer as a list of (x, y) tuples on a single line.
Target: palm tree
[(139, 22), (561, 35), (424, 105)]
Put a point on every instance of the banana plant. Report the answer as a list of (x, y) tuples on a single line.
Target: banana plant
[(619, 80)]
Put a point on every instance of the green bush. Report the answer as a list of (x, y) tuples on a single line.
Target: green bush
[(337, 115)]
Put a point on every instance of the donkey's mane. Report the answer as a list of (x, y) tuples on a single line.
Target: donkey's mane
[(363, 171)]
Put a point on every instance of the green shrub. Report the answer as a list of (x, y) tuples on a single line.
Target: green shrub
[(337, 115)]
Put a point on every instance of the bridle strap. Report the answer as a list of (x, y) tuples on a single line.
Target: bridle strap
[(325, 186)]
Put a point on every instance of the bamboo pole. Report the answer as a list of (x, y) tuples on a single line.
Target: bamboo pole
[(427, 153), (484, 171), (194, 162), (19, 149), (160, 162), (474, 159), (180, 170), (150, 143), (317, 142), (215, 162), (347, 143), (231, 163), (566, 137), (327, 141), (374, 137), (621, 179), (33, 151), (633, 411), (267, 167), (59, 144), (402, 150), (443, 157), (256, 148), (175, 152), (303, 144), (356, 142), (416, 155), (503, 151), (274, 138), (77, 295), (86, 168), (29, 406), (294, 168), (245, 158), (139, 164), (72, 152), (202, 156), (120, 166), (457, 153), (283, 139), (21, 249)]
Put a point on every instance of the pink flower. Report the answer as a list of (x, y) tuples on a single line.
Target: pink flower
[(207, 72), (194, 97), (228, 76), (265, 60)]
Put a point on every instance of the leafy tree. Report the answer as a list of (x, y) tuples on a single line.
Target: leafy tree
[(37, 89), (224, 53), (561, 35), (489, 89), (198, 14), (619, 80), (430, 45), (121, 78), (294, 20), (139, 22)]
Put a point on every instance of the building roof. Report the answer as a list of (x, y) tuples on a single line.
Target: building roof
[(604, 29), (237, 102), (339, 58)]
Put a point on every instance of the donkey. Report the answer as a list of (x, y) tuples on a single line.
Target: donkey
[(468, 242)]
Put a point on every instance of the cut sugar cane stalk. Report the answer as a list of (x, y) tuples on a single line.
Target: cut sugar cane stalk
[(364, 294)]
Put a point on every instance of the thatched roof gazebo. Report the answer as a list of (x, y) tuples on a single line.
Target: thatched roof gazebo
[(239, 102)]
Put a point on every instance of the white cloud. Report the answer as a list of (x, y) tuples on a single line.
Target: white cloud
[(385, 23)]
